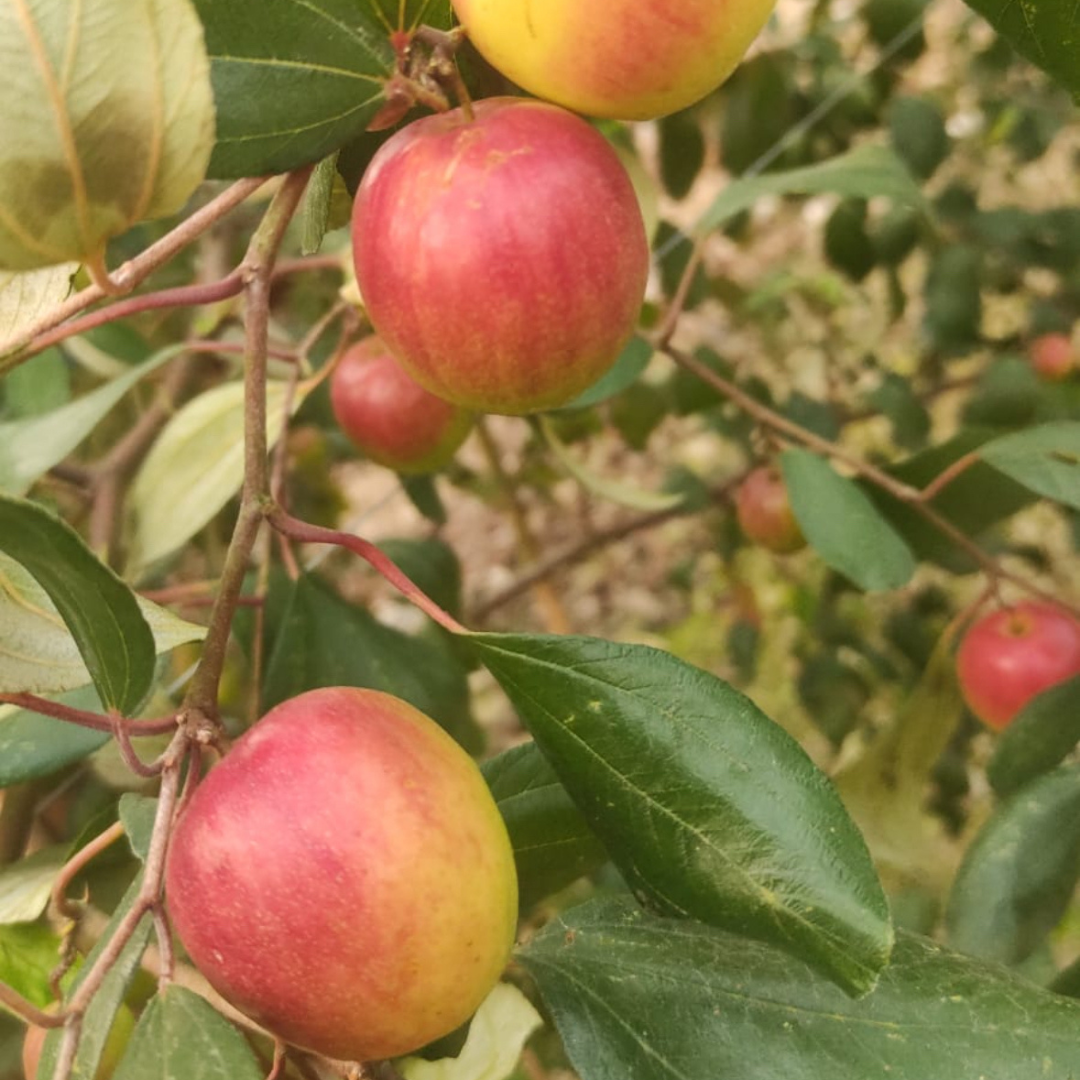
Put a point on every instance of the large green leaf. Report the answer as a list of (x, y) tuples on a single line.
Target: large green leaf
[(302, 79), (1042, 736), (326, 641), (1019, 874), (32, 446), (843, 526), (1045, 459), (862, 173), (1047, 32), (658, 999), (193, 469), (108, 120), (98, 609), (707, 807), (181, 1036), (553, 845), (39, 655)]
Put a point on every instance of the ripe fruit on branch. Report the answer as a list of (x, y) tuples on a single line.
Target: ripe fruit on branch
[(764, 512), (1011, 655), (502, 259), (640, 60), (1051, 356), (344, 877), (390, 416)]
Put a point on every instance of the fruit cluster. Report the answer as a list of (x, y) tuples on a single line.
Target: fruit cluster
[(502, 260)]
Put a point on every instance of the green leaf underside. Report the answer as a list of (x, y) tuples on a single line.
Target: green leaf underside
[(1019, 874), (295, 84), (98, 609), (98, 1019), (865, 172), (25, 886), (707, 807), (32, 746), (638, 996), (28, 953), (38, 653), (1046, 32), (843, 526), (25, 297), (30, 447), (1042, 736), (108, 120), (181, 1036), (1045, 459), (553, 845), (193, 469)]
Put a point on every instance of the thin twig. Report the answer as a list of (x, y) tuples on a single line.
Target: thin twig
[(83, 718)]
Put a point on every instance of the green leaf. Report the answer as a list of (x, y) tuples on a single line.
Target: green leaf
[(98, 609), (25, 886), (301, 80), (28, 954), (918, 134), (497, 1034), (108, 121), (632, 361), (29, 448), (553, 845), (326, 641), (181, 1036), (108, 998), (682, 151), (864, 173), (707, 807), (39, 655), (38, 386), (616, 491), (137, 812), (193, 469), (32, 746), (1042, 736), (1045, 459), (1019, 874), (1044, 31), (25, 297), (315, 212), (432, 565), (656, 999), (843, 526)]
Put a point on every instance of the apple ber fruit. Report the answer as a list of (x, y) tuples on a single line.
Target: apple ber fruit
[(1051, 356), (635, 60), (764, 512), (344, 876), (1009, 656), (502, 258), (389, 416)]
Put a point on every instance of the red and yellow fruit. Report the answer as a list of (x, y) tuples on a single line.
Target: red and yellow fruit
[(1052, 356), (635, 60), (344, 877), (389, 416), (764, 512), (502, 258), (1008, 657)]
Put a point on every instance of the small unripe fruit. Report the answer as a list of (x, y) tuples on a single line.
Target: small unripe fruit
[(1052, 356), (634, 60), (503, 258), (764, 512), (1008, 657), (389, 416), (344, 877)]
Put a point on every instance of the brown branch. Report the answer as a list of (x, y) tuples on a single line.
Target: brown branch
[(83, 718), (86, 854)]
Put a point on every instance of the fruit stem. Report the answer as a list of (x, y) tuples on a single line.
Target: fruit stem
[(305, 533)]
